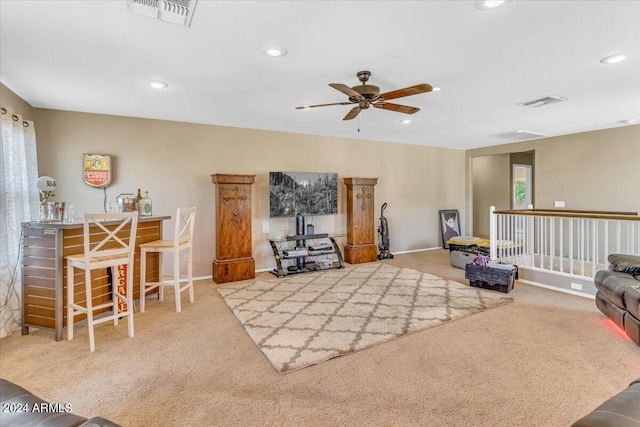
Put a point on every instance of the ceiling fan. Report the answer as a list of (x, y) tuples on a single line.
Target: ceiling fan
[(366, 95)]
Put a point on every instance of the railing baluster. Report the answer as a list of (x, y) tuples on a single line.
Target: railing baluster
[(552, 242), (492, 232), (512, 233), (561, 236), (582, 242), (571, 246), (532, 243), (536, 244), (587, 246), (606, 244), (520, 255), (543, 246), (500, 235), (594, 255)]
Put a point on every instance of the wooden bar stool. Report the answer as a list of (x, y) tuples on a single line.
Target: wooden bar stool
[(182, 241), (109, 241)]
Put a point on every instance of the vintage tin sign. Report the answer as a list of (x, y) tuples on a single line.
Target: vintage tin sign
[(96, 169)]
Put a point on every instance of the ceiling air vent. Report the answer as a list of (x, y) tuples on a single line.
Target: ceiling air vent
[(519, 135), (543, 101), (174, 11)]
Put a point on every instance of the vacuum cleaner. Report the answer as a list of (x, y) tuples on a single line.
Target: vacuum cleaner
[(383, 236)]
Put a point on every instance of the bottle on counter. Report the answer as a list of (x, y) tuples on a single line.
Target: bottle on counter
[(44, 209), (138, 201), (145, 205)]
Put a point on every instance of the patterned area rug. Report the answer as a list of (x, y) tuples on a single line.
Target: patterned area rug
[(306, 319)]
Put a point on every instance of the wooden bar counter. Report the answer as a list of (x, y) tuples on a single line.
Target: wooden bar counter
[(44, 270)]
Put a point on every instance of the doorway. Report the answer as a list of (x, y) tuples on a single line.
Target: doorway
[(493, 184), (521, 195)]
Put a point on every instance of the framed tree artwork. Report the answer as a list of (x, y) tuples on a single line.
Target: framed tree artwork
[(449, 225)]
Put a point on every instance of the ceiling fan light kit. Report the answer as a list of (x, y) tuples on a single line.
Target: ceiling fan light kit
[(367, 95)]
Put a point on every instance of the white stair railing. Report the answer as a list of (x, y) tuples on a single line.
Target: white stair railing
[(572, 242)]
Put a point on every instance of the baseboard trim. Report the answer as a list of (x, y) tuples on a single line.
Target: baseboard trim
[(417, 250), (553, 288), (261, 270), (527, 282)]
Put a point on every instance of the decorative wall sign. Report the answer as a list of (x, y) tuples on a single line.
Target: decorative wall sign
[(96, 169), (121, 283)]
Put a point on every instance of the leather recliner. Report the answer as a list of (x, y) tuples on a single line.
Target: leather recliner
[(21, 408), (622, 410), (618, 295)]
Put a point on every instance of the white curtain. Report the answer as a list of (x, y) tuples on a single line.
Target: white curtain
[(19, 202)]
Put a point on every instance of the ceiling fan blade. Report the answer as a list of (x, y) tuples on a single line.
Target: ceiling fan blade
[(346, 90), (352, 114), (407, 91), (305, 107), (397, 107)]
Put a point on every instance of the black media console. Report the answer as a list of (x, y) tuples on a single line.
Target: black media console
[(307, 252)]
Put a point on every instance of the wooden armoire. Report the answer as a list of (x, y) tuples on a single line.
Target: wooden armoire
[(361, 228), (234, 258)]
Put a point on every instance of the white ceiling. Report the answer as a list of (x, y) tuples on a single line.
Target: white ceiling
[(93, 56)]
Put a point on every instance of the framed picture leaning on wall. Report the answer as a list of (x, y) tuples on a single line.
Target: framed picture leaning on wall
[(449, 225)]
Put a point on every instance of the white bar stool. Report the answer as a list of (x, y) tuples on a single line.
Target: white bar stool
[(182, 241), (109, 241)]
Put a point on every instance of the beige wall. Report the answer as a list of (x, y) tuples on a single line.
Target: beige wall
[(597, 170), (491, 184), (174, 161), (8, 99)]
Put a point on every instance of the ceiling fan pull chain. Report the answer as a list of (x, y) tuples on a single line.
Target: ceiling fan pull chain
[(358, 124)]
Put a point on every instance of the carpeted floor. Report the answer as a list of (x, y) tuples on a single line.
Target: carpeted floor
[(303, 320), (545, 359)]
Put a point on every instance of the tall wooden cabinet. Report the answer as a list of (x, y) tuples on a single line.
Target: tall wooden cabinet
[(234, 258), (360, 245)]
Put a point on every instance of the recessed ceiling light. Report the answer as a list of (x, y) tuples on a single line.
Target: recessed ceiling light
[(275, 51), (490, 4), (405, 121), (612, 59), (156, 84)]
